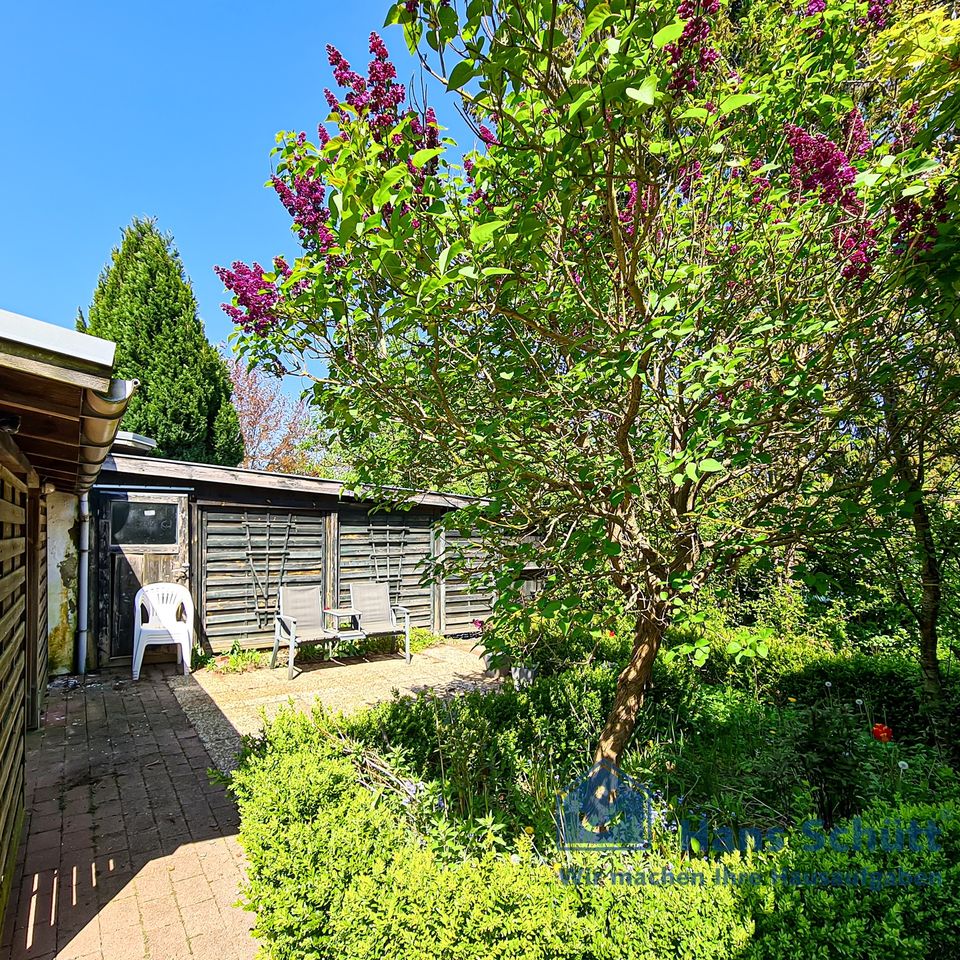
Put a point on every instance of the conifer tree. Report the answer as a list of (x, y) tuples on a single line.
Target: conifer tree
[(145, 304)]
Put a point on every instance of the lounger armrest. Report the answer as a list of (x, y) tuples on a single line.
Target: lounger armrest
[(287, 623), (402, 610)]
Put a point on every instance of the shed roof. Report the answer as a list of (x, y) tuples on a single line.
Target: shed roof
[(59, 384), (167, 470), (88, 359)]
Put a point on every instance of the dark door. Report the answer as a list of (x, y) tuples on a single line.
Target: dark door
[(148, 538)]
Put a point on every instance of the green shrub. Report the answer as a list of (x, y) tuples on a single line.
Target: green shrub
[(503, 753), (896, 923), (422, 639), (336, 870), (343, 863), (524, 637)]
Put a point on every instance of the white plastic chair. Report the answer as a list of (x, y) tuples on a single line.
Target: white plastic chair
[(157, 620)]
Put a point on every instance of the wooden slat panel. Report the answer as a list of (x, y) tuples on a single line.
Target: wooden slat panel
[(10, 619), (16, 482), (391, 548), (11, 548), (42, 634), (464, 600), (11, 512), (245, 556), (12, 582), (13, 626)]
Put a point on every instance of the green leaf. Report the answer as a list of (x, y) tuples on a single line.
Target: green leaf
[(394, 15), (709, 465), (646, 92), (390, 178), (735, 101), (596, 18), (668, 34), (578, 104), (483, 232), (425, 156), (613, 46), (460, 74)]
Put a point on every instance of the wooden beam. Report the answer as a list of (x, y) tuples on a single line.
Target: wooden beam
[(33, 449), (12, 457), (60, 475), (14, 405), (55, 429), (22, 358), (17, 400)]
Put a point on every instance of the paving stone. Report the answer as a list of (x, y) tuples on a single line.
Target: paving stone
[(111, 860)]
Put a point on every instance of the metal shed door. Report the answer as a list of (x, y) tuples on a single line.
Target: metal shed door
[(245, 557)]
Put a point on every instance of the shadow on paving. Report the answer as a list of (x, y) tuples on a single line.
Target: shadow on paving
[(129, 850)]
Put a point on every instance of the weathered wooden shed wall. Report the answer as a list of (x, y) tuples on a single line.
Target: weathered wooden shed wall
[(38, 654), (250, 532), (464, 601), (391, 548), (13, 631), (246, 554)]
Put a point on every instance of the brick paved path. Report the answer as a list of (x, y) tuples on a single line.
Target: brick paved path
[(130, 851)]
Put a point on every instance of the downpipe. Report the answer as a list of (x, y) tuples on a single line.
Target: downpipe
[(83, 584)]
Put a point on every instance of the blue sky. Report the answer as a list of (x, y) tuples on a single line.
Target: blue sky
[(115, 110)]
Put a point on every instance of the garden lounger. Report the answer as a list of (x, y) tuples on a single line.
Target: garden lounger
[(300, 620), (374, 613)]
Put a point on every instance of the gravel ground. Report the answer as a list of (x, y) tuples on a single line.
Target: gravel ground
[(224, 706)]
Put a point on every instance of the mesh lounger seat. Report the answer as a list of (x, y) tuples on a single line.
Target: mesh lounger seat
[(300, 620), (374, 613)]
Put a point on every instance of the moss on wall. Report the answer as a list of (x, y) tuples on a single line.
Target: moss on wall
[(63, 563)]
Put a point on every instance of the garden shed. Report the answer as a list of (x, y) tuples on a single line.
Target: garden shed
[(234, 536)]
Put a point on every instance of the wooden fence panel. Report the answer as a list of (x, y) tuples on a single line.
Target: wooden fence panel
[(13, 604), (245, 556), (464, 599), (42, 630), (392, 548)]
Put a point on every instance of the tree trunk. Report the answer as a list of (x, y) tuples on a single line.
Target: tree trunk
[(928, 613), (630, 687), (931, 576)]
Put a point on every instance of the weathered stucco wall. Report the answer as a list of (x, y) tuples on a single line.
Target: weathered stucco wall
[(63, 544)]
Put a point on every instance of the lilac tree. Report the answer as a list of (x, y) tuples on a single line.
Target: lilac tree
[(631, 310)]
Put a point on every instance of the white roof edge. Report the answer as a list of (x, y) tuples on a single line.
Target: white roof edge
[(51, 338)]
